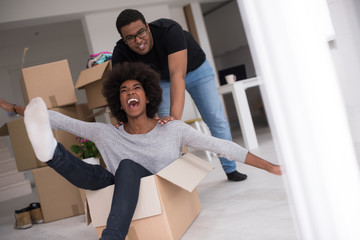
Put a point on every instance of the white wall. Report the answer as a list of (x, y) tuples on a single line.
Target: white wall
[(345, 15), (46, 44), (177, 13), (100, 31)]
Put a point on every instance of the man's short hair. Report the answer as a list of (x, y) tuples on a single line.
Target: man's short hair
[(139, 71), (128, 16)]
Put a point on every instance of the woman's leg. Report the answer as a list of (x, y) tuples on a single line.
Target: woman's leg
[(78, 172), (48, 150), (126, 193)]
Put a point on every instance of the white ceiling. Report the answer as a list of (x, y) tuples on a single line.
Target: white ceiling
[(39, 33)]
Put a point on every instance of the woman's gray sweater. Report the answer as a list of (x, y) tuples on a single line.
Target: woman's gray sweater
[(153, 150)]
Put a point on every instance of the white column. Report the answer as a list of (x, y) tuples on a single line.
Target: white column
[(306, 112), (203, 36), (204, 42)]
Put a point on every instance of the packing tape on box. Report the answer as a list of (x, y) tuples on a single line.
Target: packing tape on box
[(23, 57), (52, 100), (75, 209)]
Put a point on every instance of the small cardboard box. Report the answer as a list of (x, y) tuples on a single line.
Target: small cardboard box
[(58, 198), (104, 115), (168, 201), (23, 152), (91, 80), (51, 81)]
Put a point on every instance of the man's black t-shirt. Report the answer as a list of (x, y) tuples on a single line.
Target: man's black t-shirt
[(169, 38)]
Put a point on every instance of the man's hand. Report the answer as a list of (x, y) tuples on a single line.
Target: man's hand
[(165, 119), (118, 124)]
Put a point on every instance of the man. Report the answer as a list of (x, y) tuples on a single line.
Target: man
[(182, 64)]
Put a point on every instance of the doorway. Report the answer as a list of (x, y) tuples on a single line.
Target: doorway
[(230, 50)]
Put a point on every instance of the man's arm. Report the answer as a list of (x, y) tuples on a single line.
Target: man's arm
[(177, 69)]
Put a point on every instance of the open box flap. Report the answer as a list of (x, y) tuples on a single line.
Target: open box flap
[(148, 203), (92, 74), (187, 171), (98, 210)]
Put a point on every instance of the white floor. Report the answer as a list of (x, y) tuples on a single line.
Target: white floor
[(255, 209)]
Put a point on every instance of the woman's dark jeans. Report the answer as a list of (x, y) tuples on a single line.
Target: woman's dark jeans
[(94, 177)]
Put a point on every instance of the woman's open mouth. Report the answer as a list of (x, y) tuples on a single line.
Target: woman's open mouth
[(133, 102)]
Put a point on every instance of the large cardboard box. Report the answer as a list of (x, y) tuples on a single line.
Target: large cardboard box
[(77, 111), (58, 198), (51, 81), (23, 152), (91, 80), (168, 201)]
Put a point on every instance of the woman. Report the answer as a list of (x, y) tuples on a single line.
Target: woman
[(138, 148)]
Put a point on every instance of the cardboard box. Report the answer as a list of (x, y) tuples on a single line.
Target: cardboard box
[(22, 148), (168, 201), (51, 81), (58, 198), (104, 115), (23, 152), (91, 80), (78, 111)]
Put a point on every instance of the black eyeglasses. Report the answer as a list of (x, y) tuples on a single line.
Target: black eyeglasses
[(142, 33)]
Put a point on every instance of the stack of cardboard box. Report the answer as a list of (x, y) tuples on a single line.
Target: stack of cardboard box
[(53, 82), (91, 80)]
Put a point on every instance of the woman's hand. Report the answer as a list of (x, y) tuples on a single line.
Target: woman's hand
[(165, 119), (12, 108), (1, 102), (5, 105)]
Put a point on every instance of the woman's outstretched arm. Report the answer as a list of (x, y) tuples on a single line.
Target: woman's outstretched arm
[(224, 148), (13, 108)]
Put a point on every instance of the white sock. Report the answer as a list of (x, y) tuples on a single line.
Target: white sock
[(36, 118)]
